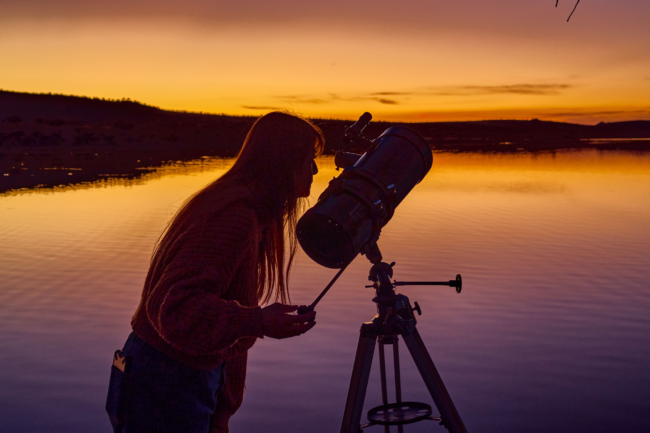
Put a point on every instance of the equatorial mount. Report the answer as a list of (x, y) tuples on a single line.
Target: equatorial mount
[(395, 317)]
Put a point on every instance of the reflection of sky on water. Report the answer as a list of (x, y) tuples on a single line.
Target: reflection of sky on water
[(551, 330)]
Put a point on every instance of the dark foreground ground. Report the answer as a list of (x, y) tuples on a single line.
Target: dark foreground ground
[(50, 140)]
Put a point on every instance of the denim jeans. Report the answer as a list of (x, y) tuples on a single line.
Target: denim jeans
[(156, 394)]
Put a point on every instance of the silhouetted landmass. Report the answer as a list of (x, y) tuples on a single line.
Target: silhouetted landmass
[(48, 140)]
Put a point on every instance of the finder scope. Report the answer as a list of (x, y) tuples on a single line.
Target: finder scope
[(349, 215)]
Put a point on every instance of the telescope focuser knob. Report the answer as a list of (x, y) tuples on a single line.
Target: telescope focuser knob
[(417, 308)]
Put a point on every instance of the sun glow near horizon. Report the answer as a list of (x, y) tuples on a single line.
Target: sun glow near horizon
[(399, 70)]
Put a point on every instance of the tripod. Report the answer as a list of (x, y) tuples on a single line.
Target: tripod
[(394, 318)]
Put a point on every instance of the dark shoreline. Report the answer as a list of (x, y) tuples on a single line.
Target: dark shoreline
[(51, 140), (86, 173)]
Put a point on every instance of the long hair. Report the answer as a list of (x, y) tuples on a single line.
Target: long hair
[(277, 145)]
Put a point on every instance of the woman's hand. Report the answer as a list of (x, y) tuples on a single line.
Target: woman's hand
[(277, 323)]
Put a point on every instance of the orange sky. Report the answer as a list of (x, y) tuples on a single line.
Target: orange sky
[(412, 60)]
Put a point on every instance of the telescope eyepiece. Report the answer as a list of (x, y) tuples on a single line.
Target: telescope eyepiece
[(353, 133)]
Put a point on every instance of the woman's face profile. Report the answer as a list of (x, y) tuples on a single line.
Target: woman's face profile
[(305, 176)]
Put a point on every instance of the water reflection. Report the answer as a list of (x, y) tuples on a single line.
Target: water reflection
[(551, 327), (202, 165)]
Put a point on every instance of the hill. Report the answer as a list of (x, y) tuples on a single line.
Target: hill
[(48, 140)]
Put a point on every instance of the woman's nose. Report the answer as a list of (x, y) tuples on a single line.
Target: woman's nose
[(314, 168)]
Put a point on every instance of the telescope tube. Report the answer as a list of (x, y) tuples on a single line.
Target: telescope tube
[(357, 204)]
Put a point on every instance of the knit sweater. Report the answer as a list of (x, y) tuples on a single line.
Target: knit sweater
[(199, 304)]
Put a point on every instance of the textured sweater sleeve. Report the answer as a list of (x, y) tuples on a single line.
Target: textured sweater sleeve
[(232, 394), (186, 306)]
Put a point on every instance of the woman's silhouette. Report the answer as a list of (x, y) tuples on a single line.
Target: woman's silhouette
[(228, 249)]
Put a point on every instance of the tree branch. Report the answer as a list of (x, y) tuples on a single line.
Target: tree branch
[(574, 9)]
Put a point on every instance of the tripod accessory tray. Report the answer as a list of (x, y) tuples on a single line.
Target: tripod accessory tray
[(406, 412)]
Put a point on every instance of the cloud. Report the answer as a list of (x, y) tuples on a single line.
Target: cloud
[(516, 89), (260, 107), (334, 97), (397, 97), (643, 112), (390, 93), (393, 97)]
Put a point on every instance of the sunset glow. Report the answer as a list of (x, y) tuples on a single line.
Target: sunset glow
[(412, 61)]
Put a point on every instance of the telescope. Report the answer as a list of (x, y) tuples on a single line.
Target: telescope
[(347, 220), (350, 213)]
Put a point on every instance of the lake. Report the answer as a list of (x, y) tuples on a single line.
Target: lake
[(550, 333)]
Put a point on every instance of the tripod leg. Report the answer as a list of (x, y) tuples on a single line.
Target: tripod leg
[(359, 381), (382, 375), (433, 381), (398, 380)]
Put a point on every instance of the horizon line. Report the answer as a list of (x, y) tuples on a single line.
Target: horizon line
[(352, 118)]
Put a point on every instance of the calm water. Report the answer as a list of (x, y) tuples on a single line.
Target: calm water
[(550, 333)]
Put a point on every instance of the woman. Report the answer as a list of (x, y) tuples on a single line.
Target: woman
[(229, 248)]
